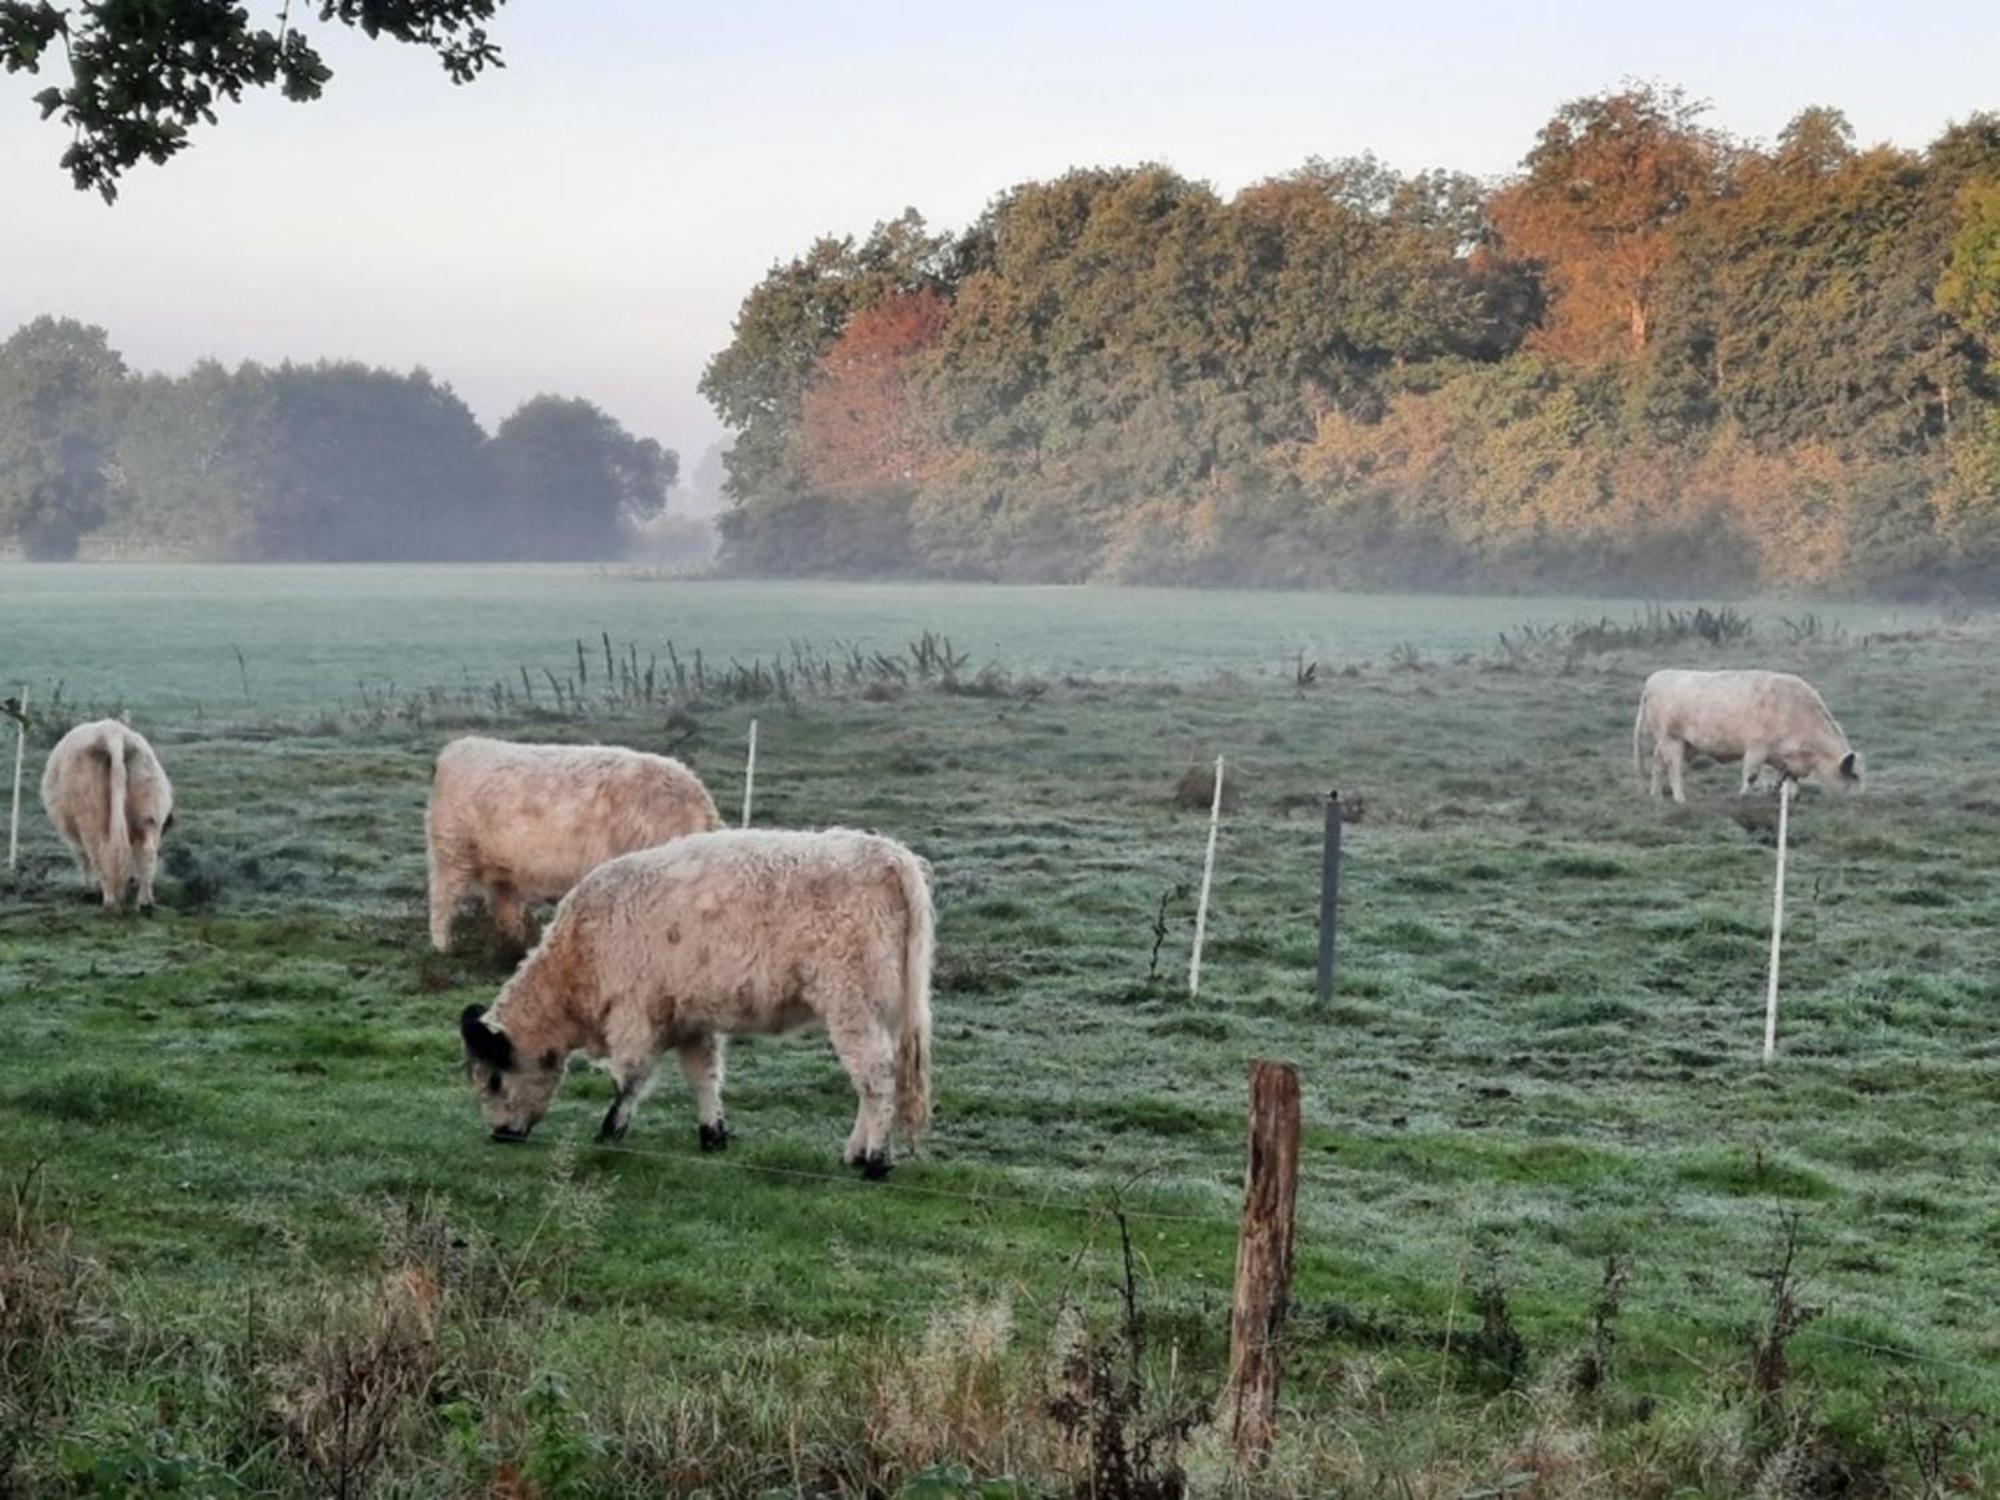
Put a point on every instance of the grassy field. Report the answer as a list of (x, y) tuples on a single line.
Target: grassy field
[(261, 1245)]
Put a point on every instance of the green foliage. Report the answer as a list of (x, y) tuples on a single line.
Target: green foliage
[(333, 461), (1970, 287), (956, 1482), (571, 479), (788, 322), (1657, 358), (59, 387), (137, 1472), (142, 75)]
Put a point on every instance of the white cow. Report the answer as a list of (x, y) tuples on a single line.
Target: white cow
[(522, 823), (110, 799), (746, 931), (1766, 718)]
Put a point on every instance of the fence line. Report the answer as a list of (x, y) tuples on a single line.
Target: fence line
[(1048, 1204), (1098, 1210), (1988, 1372)]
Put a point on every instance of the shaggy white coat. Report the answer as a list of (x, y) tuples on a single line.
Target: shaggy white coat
[(524, 823), (748, 931), (110, 799), (1766, 718)]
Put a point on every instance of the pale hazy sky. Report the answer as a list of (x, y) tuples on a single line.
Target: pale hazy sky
[(588, 220)]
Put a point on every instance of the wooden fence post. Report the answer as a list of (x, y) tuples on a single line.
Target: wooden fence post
[(1263, 1260), (750, 773)]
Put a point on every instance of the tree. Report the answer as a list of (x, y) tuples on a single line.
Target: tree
[(572, 481), (60, 383), (365, 465), (1816, 143), (1970, 288), (857, 421), (788, 322), (142, 73), (200, 454), (1600, 193)]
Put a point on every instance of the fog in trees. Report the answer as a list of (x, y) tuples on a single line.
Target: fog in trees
[(331, 461)]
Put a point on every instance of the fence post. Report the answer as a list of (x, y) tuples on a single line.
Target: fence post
[(20, 758), (750, 774), (1207, 880), (1777, 921), (1263, 1259), (1329, 897)]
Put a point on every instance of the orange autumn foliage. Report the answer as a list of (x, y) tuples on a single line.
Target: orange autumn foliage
[(1596, 209), (857, 425)]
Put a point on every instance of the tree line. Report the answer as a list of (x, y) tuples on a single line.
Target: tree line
[(1655, 356), (332, 461)]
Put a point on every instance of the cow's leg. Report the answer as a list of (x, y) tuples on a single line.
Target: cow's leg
[(701, 1065), (1675, 754), (1753, 762), (111, 886), (146, 858), (85, 875), (868, 1053), (510, 913), (1659, 764), (448, 886), (633, 1078)]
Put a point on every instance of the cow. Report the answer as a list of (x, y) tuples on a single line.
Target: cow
[(523, 823), (718, 933), (109, 798), (1767, 718)]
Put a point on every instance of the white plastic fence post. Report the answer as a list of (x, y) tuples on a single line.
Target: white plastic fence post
[(20, 758), (750, 774), (1207, 880), (1777, 921)]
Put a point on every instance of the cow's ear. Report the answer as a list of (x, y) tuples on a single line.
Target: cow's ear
[(495, 1048), (1850, 766)]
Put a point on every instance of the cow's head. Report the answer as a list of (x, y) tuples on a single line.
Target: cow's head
[(514, 1091)]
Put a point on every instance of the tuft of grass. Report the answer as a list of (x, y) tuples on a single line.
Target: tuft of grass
[(103, 1096)]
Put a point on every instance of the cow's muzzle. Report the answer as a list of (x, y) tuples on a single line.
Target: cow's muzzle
[(510, 1135)]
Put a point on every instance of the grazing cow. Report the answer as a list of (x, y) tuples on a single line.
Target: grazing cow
[(524, 823), (110, 799), (745, 931), (1767, 718)]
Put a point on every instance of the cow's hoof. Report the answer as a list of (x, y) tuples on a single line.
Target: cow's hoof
[(611, 1132), (146, 909), (875, 1165), (714, 1137)]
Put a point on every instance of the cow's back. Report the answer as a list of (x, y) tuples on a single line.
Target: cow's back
[(1727, 713), (538, 817), (739, 912)]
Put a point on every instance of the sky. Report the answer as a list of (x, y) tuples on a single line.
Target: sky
[(587, 221)]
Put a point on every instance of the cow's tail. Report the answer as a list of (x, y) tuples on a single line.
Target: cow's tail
[(913, 1051), (114, 864)]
